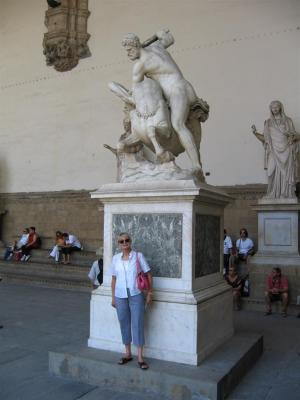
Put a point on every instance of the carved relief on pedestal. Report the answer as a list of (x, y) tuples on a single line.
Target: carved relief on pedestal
[(65, 43)]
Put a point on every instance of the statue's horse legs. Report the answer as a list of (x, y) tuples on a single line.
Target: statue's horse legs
[(161, 154)]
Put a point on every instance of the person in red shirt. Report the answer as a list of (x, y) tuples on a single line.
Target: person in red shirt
[(277, 290), (34, 242)]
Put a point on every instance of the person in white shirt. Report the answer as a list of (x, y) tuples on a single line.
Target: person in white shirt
[(244, 245), (94, 273), (227, 251), (16, 247), (71, 244), (23, 239), (128, 300)]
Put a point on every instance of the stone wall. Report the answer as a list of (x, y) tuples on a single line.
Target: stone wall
[(239, 214), (68, 211), (76, 212)]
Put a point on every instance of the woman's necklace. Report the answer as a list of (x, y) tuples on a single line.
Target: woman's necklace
[(125, 256)]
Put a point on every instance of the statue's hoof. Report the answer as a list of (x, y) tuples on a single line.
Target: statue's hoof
[(198, 174), (165, 156)]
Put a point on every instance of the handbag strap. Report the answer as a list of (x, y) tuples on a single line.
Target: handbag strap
[(100, 275), (138, 264)]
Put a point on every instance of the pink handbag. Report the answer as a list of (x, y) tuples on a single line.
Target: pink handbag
[(141, 278)]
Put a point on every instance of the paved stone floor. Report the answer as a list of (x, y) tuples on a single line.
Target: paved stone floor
[(37, 319)]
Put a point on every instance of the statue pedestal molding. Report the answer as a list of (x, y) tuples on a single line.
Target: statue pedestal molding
[(178, 226), (278, 232)]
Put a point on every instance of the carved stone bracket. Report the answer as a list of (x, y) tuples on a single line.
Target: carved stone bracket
[(65, 43)]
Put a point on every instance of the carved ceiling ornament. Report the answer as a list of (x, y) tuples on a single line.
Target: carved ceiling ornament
[(65, 43)]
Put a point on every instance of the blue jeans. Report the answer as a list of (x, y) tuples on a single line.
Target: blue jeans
[(7, 253), (130, 313)]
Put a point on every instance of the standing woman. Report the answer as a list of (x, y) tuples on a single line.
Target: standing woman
[(128, 300)]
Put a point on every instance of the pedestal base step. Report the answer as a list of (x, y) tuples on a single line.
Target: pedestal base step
[(214, 379), (258, 304)]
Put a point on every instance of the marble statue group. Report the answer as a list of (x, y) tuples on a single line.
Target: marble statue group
[(162, 110), (163, 117)]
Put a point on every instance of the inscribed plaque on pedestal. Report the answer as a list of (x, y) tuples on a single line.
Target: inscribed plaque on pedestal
[(157, 236), (207, 245)]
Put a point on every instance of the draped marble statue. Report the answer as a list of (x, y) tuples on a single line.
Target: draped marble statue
[(162, 113), (280, 141)]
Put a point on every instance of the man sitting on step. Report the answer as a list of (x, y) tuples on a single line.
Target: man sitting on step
[(71, 244), (277, 290)]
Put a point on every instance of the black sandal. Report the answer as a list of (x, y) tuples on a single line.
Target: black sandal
[(125, 360), (143, 365), (269, 312)]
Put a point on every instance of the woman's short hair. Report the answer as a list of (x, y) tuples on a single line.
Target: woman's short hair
[(124, 234), (278, 270), (244, 230)]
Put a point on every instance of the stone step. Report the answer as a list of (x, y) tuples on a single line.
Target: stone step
[(78, 258), (258, 304), (46, 274), (213, 379)]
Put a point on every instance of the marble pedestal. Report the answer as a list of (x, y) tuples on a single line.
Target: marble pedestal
[(278, 232), (179, 228)]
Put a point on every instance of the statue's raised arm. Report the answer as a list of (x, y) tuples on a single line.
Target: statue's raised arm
[(259, 136), (121, 92), (164, 36)]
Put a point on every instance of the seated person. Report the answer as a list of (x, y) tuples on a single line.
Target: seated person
[(227, 251), (34, 242), (244, 245), (71, 244), (95, 270), (233, 279), (16, 247), (59, 243), (277, 289)]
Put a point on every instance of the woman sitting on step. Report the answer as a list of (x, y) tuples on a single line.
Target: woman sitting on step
[(233, 279), (59, 243)]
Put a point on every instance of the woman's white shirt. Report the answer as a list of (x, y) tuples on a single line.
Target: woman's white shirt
[(244, 246), (23, 240), (125, 273)]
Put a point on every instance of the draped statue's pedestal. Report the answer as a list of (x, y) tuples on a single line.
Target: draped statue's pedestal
[(278, 231), (278, 246), (178, 226)]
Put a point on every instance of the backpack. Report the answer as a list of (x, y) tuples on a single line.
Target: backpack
[(100, 275), (38, 242)]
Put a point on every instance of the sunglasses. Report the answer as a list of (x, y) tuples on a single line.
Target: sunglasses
[(124, 241)]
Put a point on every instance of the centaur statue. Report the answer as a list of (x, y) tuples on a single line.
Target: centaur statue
[(162, 110)]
